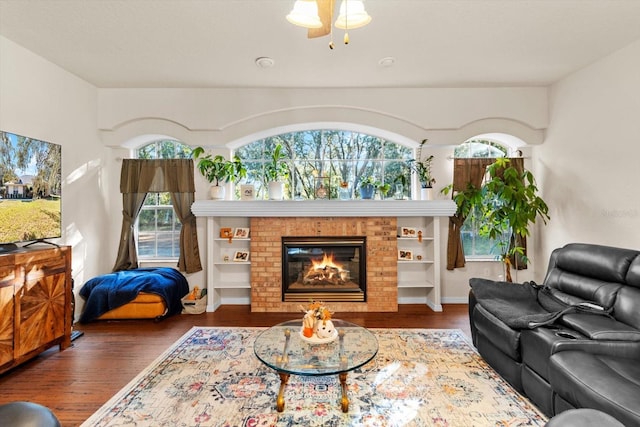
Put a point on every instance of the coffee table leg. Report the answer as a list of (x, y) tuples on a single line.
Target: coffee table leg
[(343, 384), (284, 378)]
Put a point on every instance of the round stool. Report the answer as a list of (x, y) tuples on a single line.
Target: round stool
[(27, 414), (583, 417)]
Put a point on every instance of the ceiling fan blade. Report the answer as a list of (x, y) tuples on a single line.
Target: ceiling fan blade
[(325, 12)]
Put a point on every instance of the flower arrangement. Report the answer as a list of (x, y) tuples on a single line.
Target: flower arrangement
[(315, 311)]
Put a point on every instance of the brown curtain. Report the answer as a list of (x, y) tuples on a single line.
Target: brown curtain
[(465, 172), (139, 177)]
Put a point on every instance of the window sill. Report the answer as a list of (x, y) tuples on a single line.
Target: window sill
[(482, 259)]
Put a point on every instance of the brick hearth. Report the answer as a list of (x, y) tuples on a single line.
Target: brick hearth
[(266, 260)]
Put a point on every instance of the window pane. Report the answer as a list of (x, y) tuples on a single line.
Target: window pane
[(158, 228), (147, 220), (338, 155), (146, 244), (165, 242), (165, 219)]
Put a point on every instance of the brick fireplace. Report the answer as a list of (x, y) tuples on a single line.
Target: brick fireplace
[(381, 256)]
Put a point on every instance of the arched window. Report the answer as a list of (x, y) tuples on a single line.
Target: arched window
[(476, 246), (333, 159), (157, 226)]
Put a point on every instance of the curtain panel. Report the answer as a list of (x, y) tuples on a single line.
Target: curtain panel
[(141, 176), (465, 172)]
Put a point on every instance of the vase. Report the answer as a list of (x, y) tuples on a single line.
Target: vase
[(217, 192), (276, 190), (344, 193), (426, 193), (366, 191)]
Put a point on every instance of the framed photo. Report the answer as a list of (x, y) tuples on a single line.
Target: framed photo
[(408, 232), (241, 233), (226, 232), (405, 255), (247, 192), (241, 256)]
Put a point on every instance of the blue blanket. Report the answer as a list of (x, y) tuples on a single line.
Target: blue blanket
[(109, 291)]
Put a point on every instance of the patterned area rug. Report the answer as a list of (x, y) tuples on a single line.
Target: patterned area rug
[(420, 377)]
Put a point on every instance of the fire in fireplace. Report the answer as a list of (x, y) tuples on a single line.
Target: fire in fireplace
[(324, 268)]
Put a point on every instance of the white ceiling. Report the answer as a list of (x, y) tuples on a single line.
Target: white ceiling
[(214, 43)]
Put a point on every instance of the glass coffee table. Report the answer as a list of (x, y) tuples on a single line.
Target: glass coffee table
[(283, 349)]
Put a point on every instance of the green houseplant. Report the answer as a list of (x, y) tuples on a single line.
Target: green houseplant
[(217, 170), (276, 171), (422, 167), (508, 204)]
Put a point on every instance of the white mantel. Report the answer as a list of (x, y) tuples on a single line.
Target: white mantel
[(322, 208)]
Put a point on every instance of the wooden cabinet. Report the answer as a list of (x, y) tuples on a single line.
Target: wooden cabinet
[(35, 303)]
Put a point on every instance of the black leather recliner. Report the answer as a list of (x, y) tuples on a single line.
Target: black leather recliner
[(584, 359)]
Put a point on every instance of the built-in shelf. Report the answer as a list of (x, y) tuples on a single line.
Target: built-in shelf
[(419, 280)]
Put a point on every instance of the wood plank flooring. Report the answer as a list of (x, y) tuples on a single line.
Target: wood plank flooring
[(75, 382)]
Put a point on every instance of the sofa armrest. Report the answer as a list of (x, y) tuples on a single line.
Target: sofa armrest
[(600, 327)]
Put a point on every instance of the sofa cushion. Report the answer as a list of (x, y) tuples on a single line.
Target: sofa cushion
[(633, 275), (610, 384), (626, 307), (583, 272), (604, 263)]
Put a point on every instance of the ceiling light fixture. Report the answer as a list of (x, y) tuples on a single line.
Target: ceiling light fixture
[(305, 14), (316, 15)]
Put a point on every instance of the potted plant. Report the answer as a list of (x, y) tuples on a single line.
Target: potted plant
[(384, 189), (367, 186), (401, 182), (422, 168), (217, 171), (276, 171), (510, 205)]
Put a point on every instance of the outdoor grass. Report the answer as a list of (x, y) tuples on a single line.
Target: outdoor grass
[(29, 220)]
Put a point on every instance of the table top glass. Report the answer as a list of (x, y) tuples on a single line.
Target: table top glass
[(354, 347)]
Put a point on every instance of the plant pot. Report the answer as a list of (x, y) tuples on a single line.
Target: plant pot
[(366, 191), (276, 190), (426, 193), (217, 192)]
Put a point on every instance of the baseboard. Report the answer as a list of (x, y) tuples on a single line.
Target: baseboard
[(455, 300)]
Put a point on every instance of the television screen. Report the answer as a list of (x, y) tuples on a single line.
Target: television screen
[(30, 189)]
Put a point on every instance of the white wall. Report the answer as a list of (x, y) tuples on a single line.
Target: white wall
[(40, 100), (588, 165)]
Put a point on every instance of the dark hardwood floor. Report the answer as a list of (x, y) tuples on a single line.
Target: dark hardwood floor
[(75, 382)]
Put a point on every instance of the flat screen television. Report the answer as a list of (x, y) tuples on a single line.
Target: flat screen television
[(30, 190)]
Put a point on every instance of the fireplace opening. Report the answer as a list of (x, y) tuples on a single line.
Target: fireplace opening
[(324, 268)]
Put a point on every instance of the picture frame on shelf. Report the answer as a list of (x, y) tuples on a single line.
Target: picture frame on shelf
[(226, 232), (408, 232), (405, 255), (241, 233), (247, 192), (241, 256)]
